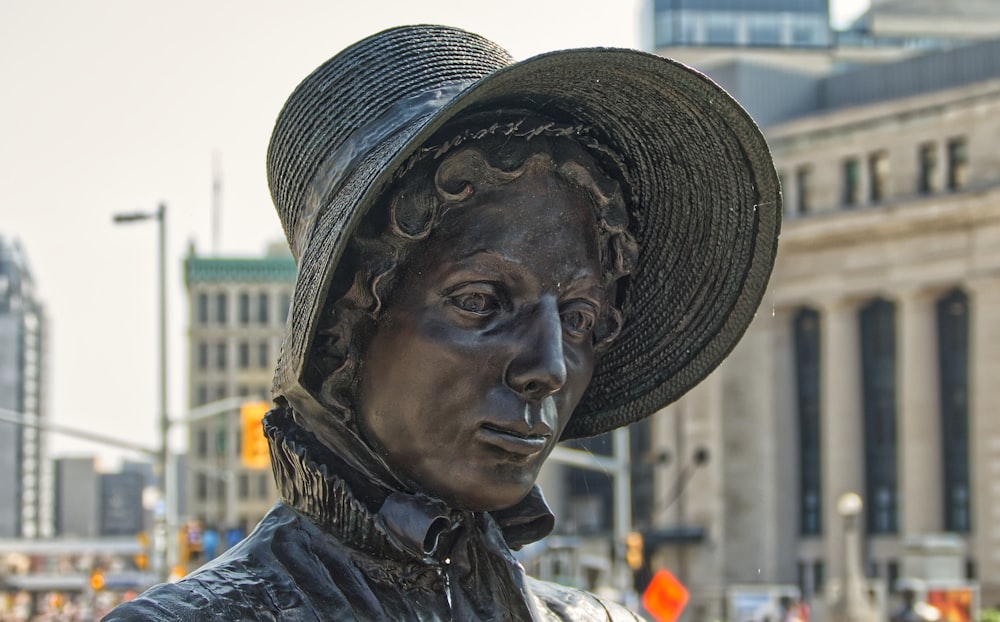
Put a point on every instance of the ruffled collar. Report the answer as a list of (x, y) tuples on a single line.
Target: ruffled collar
[(355, 504)]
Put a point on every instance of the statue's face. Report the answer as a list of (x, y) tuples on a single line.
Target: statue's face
[(486, 347)]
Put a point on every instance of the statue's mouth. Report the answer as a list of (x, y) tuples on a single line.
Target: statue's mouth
[(513, 441)]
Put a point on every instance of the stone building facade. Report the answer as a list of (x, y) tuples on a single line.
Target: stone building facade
[(872, 366)]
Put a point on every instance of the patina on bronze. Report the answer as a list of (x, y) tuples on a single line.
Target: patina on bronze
[(489, 253)]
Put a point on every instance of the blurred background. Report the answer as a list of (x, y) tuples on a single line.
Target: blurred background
[(144, 285)]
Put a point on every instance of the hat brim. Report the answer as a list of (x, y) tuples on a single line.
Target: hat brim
[(706, 205)]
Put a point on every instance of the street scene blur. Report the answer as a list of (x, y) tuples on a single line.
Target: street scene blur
[(841, 465)]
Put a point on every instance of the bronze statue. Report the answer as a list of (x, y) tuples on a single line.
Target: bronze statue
[(493, 256)]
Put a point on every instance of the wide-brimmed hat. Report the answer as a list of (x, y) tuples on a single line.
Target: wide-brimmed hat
[(704, 195)]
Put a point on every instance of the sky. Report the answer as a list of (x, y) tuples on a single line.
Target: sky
[(111, 106)]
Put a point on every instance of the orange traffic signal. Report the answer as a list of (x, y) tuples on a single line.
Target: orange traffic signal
[(254, 451), (633, 550)]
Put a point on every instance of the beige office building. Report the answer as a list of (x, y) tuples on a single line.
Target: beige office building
[(873, 365), (237, 313)]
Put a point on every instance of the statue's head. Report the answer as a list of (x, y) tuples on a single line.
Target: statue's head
[(464, 333), (495, 256)]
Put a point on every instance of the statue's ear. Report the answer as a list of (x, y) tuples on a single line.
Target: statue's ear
[(335, 389)]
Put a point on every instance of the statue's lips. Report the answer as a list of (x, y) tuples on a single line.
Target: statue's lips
[(512, 441)]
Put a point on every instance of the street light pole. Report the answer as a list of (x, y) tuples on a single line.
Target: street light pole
[(852, 603), (162, 455)]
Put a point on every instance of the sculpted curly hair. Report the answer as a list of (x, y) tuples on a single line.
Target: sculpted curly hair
[(435, 180)]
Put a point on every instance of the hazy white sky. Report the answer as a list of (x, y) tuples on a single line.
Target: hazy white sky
[(115, 105)]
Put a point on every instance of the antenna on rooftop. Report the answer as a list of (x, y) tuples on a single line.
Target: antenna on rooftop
[(216, 201)]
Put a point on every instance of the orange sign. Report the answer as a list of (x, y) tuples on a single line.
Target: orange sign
[(254, 453), (665, 597)]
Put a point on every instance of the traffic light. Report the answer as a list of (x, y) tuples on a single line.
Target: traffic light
[(254, 450), (633, 550), (96, 580), (141, 558)]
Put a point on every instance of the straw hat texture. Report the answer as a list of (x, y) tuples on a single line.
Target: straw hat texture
[(703, 195)]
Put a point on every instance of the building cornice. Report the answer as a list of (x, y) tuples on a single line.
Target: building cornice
[(968, 209)]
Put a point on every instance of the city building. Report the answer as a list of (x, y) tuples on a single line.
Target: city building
[(742, 23), (777, 79), (25, 474), (871, 367), (76, 497), (91, 504), (922, 24), (238, 309)]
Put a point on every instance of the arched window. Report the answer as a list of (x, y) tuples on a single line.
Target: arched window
[(878, 381), (807, 390), (953, 375)]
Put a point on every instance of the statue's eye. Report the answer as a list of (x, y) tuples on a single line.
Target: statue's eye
[(476, 302), (579, 318)]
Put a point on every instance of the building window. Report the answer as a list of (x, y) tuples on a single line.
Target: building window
[(819, 576), (263, 490), (803, 184), (244, 306), (220, 355), (202, 355), (807, 365), (201, 486), (202, 442), (891, 572), (958, 163), (263, 308), (244, 486), (953, 374), (221, 313), (927, 168), (878, 176), (244, 355), (720, 29), (852, 182), (203, 308), (878, 373), (264, 355), (764, 30), (201, 395)]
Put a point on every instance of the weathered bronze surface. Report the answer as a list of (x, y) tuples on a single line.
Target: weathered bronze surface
[(479, 354), (476, 240)]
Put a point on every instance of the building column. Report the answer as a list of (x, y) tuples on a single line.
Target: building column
[(783, 427), (842, 425), (984, 425), (918, 424)]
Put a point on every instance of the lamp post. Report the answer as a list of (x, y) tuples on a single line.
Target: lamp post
[(853, 603), (161, 468)]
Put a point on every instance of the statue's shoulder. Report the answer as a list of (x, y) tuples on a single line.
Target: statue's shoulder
[(565, 603), (248, 582), (236, 588), (186, 601)]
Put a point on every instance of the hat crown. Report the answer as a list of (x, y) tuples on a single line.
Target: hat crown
[(352, 93)]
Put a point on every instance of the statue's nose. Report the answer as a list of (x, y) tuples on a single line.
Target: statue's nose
[(538, 366)]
